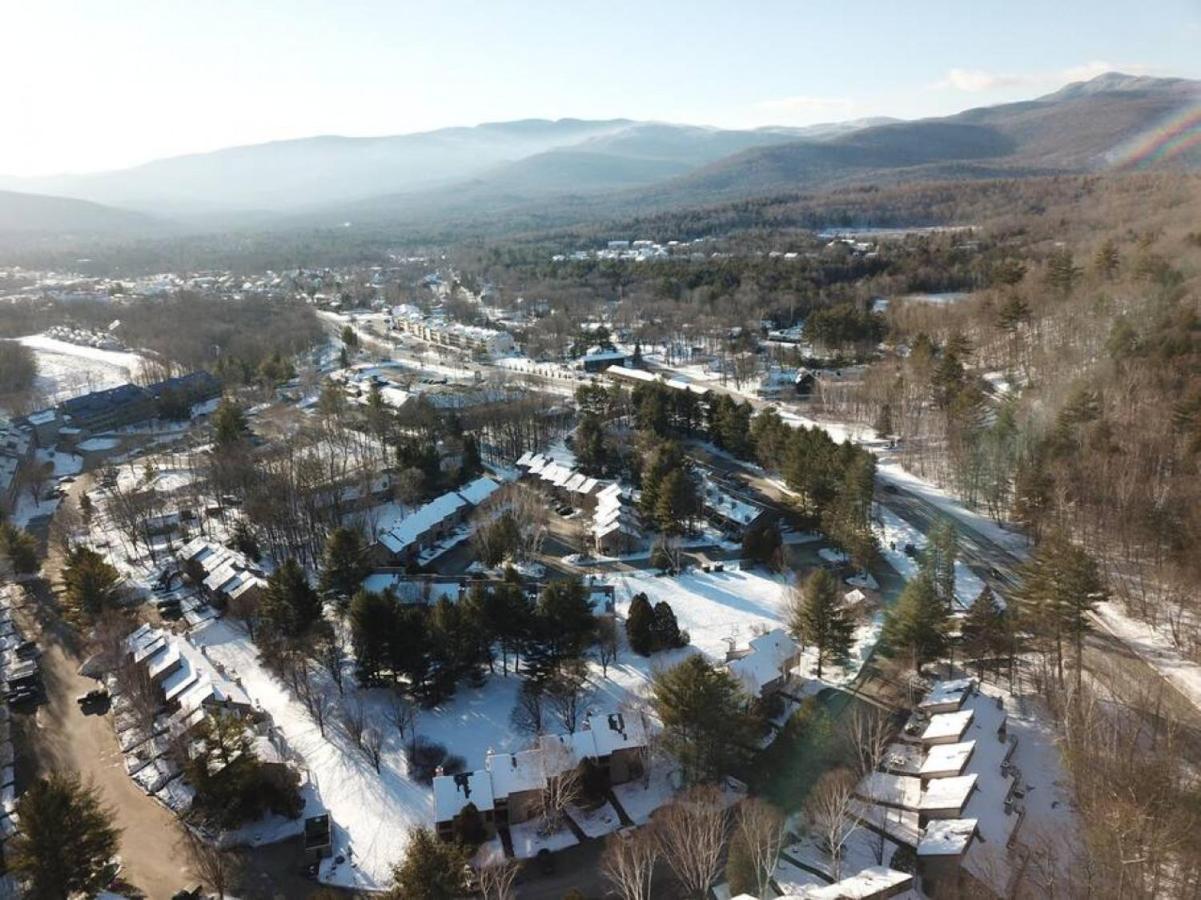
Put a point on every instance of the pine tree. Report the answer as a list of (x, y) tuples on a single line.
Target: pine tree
[(666, 630), (821, 620), (473, 465), (705, 718), (982, 629), (917, 623), (244, 541), (1108, 260), (229, 423), (290, 607), (65, 841), (20, 548), (1057, 591), (373, 619), (431, 870), (345, 563), (740, 867), (640, 624), (90, 582), (941, 552)]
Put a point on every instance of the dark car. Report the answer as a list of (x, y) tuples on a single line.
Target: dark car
[(97, 695)]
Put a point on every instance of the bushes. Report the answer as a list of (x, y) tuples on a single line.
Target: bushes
[(424, 756)]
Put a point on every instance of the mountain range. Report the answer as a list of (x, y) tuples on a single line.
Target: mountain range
[(574, 167)]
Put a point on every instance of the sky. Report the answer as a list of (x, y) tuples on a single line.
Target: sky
[(101, 84)]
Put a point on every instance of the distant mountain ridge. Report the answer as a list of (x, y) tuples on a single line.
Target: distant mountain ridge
[(549, 171), (32, 214)]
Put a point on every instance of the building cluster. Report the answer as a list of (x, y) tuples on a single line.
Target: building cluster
[(123, 406), (427, 529), (641, 250), (948, 789), (179, 688), (17, 445), (455, 335), (221, 574), (511, 787), (22, 678)]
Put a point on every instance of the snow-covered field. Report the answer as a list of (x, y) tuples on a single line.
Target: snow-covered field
[(67, 370), (715, 608)]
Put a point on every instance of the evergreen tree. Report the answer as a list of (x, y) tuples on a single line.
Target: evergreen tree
[(983, 629), (65, 841), (564, 626), (431, 870), (706, 725), (640, 625), (373, 620), (229, 424), (90, 582), (761, 543), (1108, 260), (1058, 590), (290, 607), (821, 620), (941, 552), (20, 548), (741, 876), (244, 541), (665, 629), (349, 337), (345, 563), (1062, 272), (589, 445), (917, 623), (473, 465)]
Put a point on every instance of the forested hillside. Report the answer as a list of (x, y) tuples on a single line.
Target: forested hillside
[(1069, 393)]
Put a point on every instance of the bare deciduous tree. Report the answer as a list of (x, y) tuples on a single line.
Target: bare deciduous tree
[(498, 878), (829, 809), (372, 744), (354, 719), (691, 833), (402, 713), (217, 868), (562, 783), (629, 864), (761, 828), (606, 643)]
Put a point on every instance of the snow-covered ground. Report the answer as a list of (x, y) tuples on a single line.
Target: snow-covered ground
[(894, 533), (715, 608), (1154, 647), (67, 370)]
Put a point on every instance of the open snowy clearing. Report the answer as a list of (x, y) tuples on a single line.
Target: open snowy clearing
[(67, 370)]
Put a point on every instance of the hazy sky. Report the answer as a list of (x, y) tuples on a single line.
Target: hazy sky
[(97, 84)]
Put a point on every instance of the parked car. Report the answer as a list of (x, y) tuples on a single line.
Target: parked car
[(96, 695)]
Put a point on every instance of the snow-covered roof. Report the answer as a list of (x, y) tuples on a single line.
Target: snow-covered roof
[(947, 759), (946, 696), (453, 792), (887, 789), (767, 660), (872, 882), (514, 773), (477, 491), (947, 793), (625, 372), (903, 759), (413, 526), (947, 727), (614, 731), (946, 837)]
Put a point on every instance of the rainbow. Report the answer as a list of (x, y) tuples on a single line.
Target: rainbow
[(1178, 133)]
